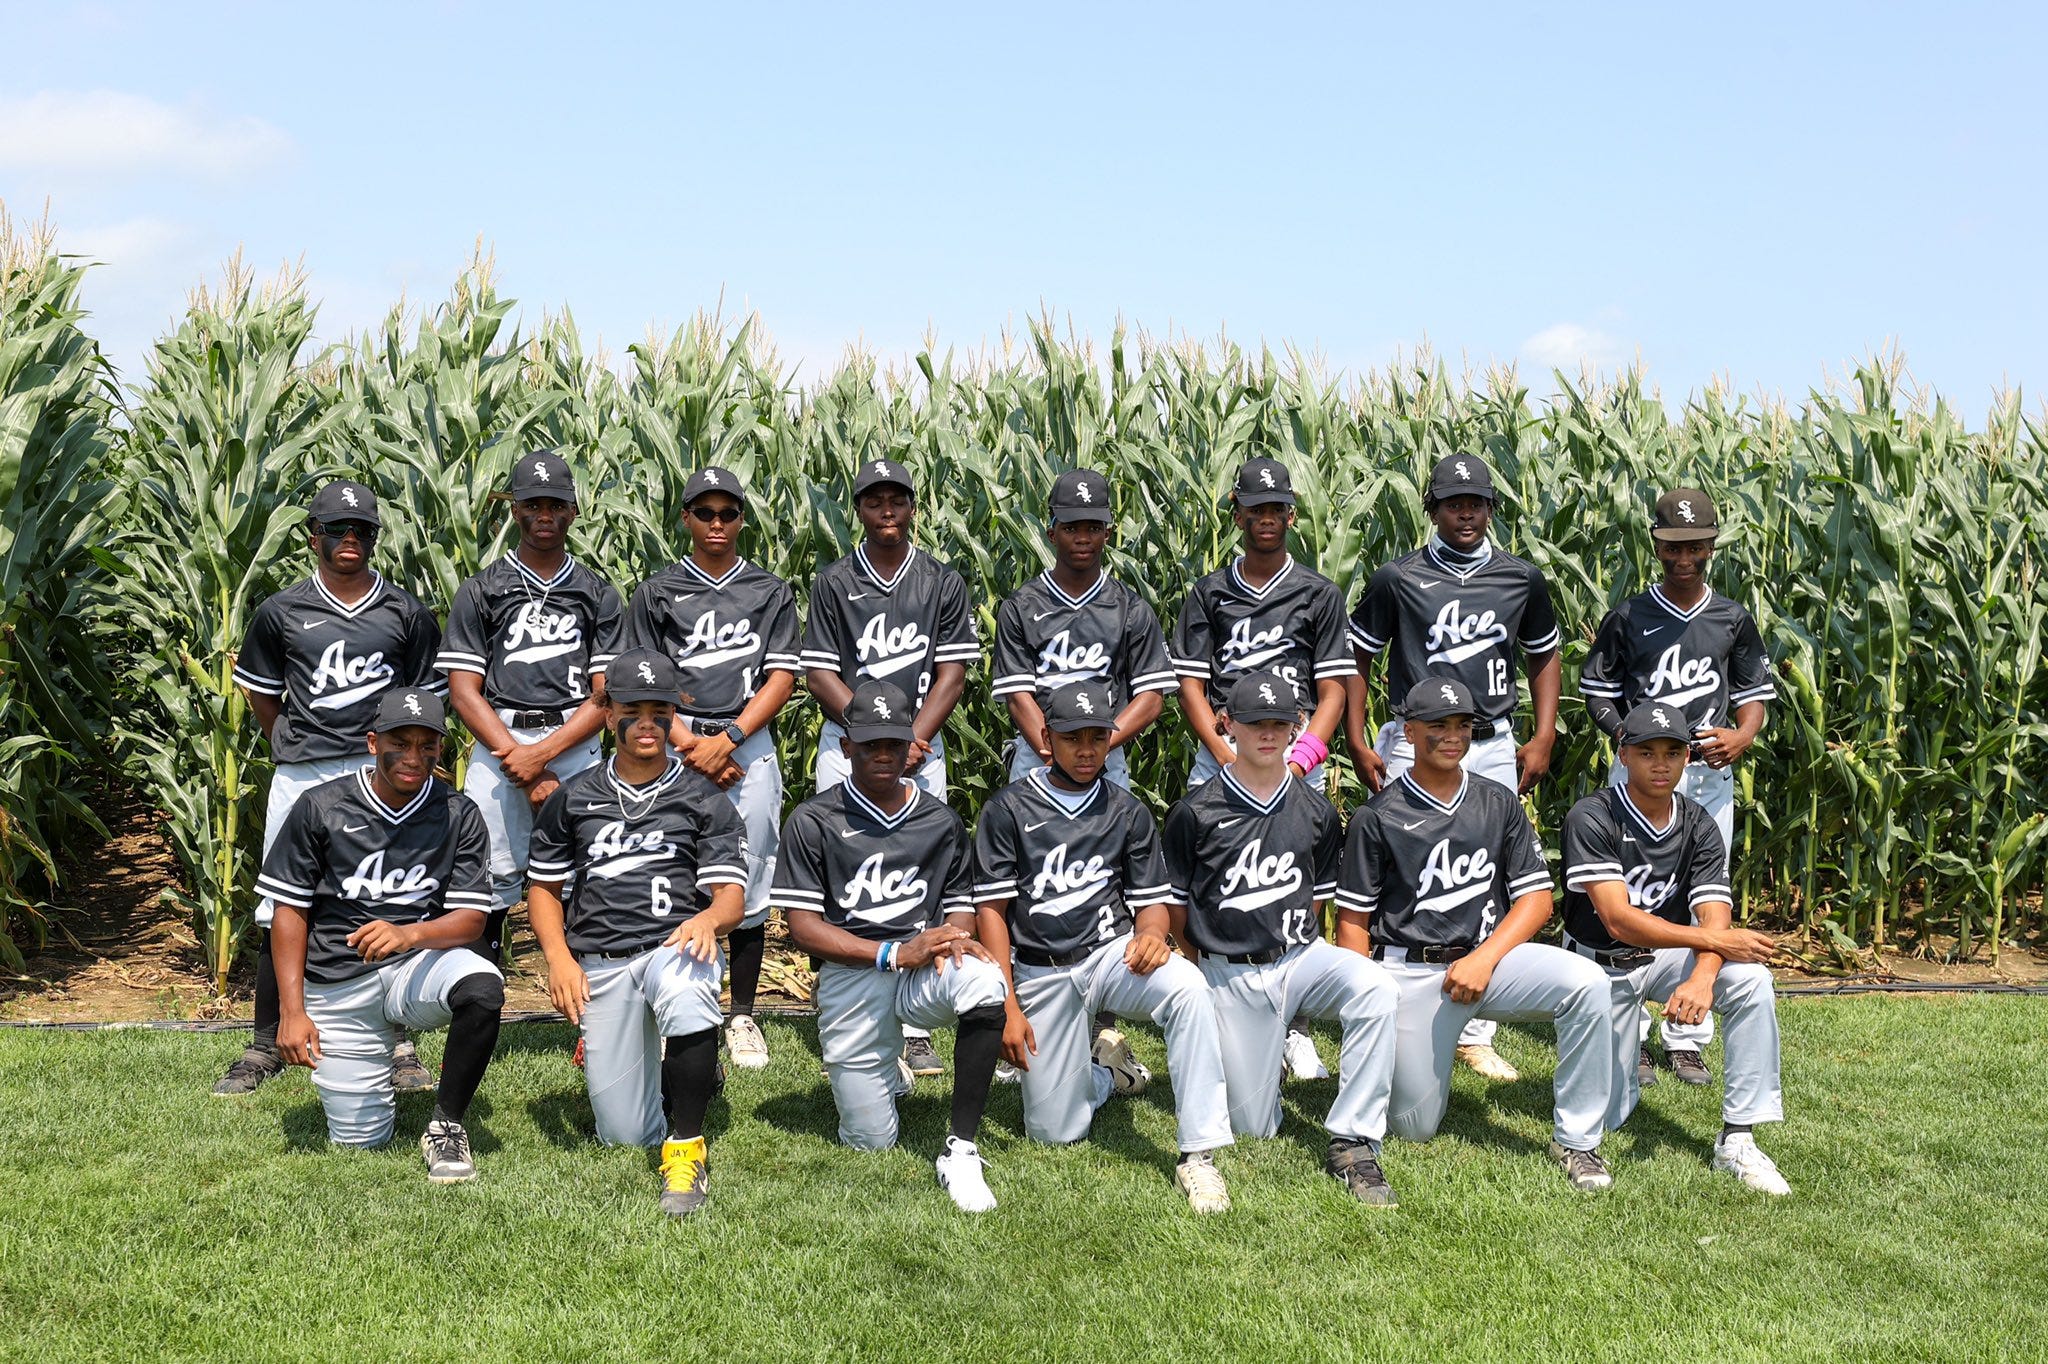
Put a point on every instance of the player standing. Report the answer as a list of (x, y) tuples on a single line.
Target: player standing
[(1251, 858), (875, 879), (381, 880), (1681, 644), (1647, 899), (1443, 882), (527, 639), (730, 628), (1459, 608), (659, 872), (318, 657), (1068, 878), (1264, 611)]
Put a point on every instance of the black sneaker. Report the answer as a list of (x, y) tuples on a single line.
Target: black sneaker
[(251, 1068), (1646, 1069), (1355, 1163), (1586, 1171), (922, 1056), (1689, 1068), (446, 1146)]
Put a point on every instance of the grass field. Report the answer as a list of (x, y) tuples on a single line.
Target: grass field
[(145, 1219)]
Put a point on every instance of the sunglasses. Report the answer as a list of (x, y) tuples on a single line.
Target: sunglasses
[(724, 516), (341, 530)]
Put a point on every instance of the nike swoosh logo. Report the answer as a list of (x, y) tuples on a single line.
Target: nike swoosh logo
[(848, 833), (1411, 828), (309, 625), (353, 828), (1228, 822), (1429, 582), (592, 809), (1029, 828), (855, 596), (1041, 616), (1654, 629)]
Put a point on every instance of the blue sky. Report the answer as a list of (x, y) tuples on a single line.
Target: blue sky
[(1761, 192)]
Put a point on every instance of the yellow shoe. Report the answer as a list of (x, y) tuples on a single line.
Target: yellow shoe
[(685, 1176)]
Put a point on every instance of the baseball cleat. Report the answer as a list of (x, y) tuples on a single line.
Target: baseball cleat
[(250, 1069), (1113, 1053), (1739, 1155), (685, 1176), (743, 1041), (1646, 1068), (1007, 1074), (906, 1079), (408, 1075), (1302, 1061), (1586, 1171), (1358, 1166), (1688, 1067), (1107, 1035), (960, 1175), (446, 1147), (1202, 1182), (1489, 1063), (922, 1057)]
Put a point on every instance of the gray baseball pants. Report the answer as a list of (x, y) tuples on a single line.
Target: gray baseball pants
[(757, 797), (635, 1002), (1747, 1001), (861, 1013), (508, 814), (1715, 789)]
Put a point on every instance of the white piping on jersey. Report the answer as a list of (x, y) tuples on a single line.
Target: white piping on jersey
[(1069, 803), (1448, 559), (695, 570), (346, 611), (1259, 593), (874, 811), (873, 575), (1074, 603), (1450, 808), (561, 575), (642, 797), (1657, 595), (1643, 821), (1264, 807), (389, 815)]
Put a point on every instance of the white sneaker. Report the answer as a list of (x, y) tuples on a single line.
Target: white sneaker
[(1112, 1051), (960, 1175), (1740, 1156), (1007, 1074), (743, 1041), (1202, 1182), (1302, 1061), (446, 1147)]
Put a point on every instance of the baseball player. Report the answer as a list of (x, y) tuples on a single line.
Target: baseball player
[(1647, 900), (1460, 608), (1264, 611), (527, 639), (890, 612), (380, 881), (655, 853), (875, 881), (1069, 881), (319, 656), (1251, 858), (730, 628), (1444, 883), (1681, 644)]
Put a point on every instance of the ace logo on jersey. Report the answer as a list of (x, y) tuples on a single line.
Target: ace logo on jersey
[(879, 896), (537, 633), (884, 650), (1060, 887), (709, 643), (1678, 679), (352, 679), (1245, 648), (1645, 892), (1455, 636), (398, 886), (614, 852), (1060, 663), (1256, 880), (1455, 879)]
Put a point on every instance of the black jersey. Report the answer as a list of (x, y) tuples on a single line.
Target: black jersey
[(346, 858), (1073, 876), (1439, 874), (328, 663), (725, 634), (1046, 640), (644, 857), (1294, 626), (898, 629), (1249, 871), (881, 877), (1463, 620), (1705, 661), (1668, 872), (535, 641)]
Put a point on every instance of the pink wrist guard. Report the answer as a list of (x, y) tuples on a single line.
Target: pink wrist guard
[(1308, 752)]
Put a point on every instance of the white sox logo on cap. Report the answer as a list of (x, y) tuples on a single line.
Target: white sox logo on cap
[(1447, 694), (1660, 717), (540, 471), (348, 495), (647, 673), (1087, 706), (1464, 470), (412, 705), (711, 477), (1266, 477), (1685, 510), (882, 708), (1081, 491), (880, 467), (1266, 695)]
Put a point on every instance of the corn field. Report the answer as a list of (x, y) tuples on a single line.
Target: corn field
[(1892, 557)]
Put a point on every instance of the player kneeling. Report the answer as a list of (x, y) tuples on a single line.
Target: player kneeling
[(1647, 898), (1444, 879), (1063, 860), (642, 835), (868, 867), (381, 880), (1251, 856)]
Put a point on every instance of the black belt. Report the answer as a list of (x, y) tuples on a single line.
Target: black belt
[(1428, 956), (1265, 958), (1617, 958), (623, 952), (1482, 730), (535, 719), (1033, 957)]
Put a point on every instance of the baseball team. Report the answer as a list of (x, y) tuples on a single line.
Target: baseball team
[(648, 875)]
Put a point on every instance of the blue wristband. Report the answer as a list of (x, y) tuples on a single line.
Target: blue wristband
[(882, 957)]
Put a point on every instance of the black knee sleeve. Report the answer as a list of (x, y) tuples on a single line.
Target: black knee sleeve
[(986, 1016), (482, 990)]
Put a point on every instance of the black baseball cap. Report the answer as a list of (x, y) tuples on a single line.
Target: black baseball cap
[(1262, 695), (345, 500), (1262, 482), (1461, 476), (1684, 514), (712, 479), (876, 472), (542, 474), (878, 710), (1080, 495), (1654, 720), (1436, 698), (404, 707), (1080, 705), (642, 675)]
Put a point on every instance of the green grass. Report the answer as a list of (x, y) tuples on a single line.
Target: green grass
[(143, 1219)]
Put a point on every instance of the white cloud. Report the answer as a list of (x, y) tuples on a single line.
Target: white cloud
[(110, 132), (1573, 346), (134, 246)]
